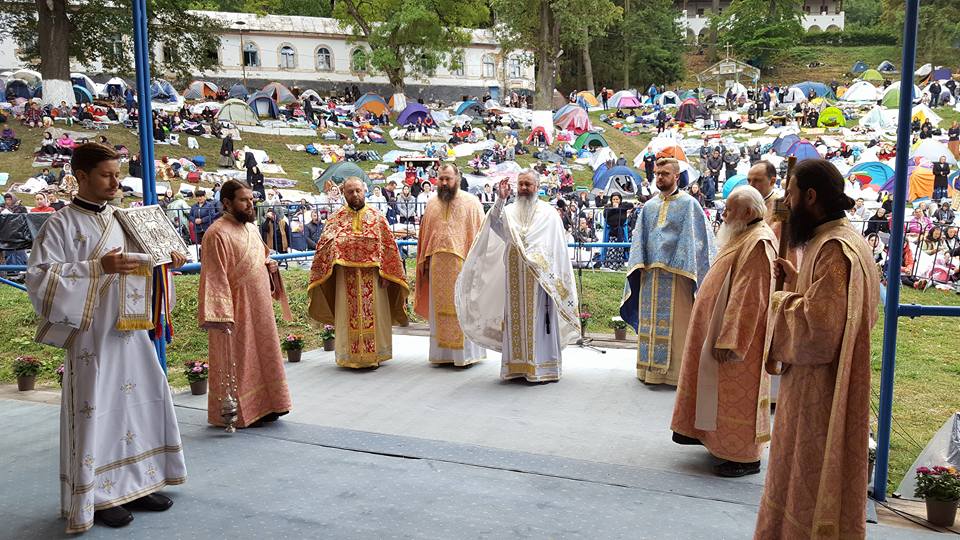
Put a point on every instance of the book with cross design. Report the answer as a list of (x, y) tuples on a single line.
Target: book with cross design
[(153, 232)]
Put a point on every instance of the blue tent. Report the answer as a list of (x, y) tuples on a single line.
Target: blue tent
[(886, 67), (879, 174), (81, 94), (38, 91), (732, 183), (161, 90), (412, 114), (264, 105), (803, 149), (470, 107), (859, 67), (783, 143), (598, 173), (582, 103), (239, 91), (620, 179), (821, 89)]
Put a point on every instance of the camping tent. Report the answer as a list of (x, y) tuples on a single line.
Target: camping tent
[(876, 119), (412, 114), (859, 67), (861, 92), (891, 96), (18, 88), (575, 119), (238, 91), (803, 149), (161, 90), (739, 90), (264, 105), (563, 110), (544, 121), (668, 98), (923, 70), (29, 76), (601, 156), (588, 98), (920, 177), (886, 67), (831, 117), (371, 103), (82, 95), (115, 87), (200, 90), (590, 141), (398, 102), (819, 88), (690, 110), (340, 171), (931, 150), (469, 108), (237, 112), (620, 179), (624, 99), (312, 95), (794, 95), (871, 75), (279, 93), (79, 79), (873, 175), (923, 113), (783, 143)]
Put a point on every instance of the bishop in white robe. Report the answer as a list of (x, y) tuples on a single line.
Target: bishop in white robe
[(536, 315)]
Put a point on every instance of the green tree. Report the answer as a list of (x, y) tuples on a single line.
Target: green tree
[(938, 38), (862, 13), (537, 25), (52, 32), (759, 30), (411, 37)]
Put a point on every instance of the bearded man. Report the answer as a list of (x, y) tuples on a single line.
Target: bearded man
[(449, 225), (515, 293), (723, 395), (818, 338), (357, 281), (669, 256), (238, 281)]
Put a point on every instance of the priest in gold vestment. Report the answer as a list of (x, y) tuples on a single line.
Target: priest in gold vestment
[(818, 338), (237, 284), (357, 282), (449, 225), (723, 395)]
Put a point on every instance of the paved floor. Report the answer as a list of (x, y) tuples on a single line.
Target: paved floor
[(415, 451)]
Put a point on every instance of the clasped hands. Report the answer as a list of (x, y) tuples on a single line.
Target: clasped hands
[(117, 262)]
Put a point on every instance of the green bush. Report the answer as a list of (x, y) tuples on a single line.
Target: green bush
[(852, 37)]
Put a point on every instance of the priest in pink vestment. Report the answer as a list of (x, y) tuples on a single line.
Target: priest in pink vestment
[(818, 339), (723, 394), (236, 308)]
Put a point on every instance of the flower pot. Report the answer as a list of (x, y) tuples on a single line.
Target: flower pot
[(198, 388), (583, 328), (26, 382), (620, 334), (293, 355), (329, 344), (942, 513)]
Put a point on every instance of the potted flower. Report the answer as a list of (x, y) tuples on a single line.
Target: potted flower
[(60, 372), (619, 328), (197, 372), (940, 489), (26, 368), (585, 317), (293, 345), (328, 337)]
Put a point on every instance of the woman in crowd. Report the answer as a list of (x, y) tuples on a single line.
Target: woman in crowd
[(65, 144), (48, 146), (697, 194), (42, 204), (226, 153), (377, 201), (918, 225), (932, 242), (879, 223)]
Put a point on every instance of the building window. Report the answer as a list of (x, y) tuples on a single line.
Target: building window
[(358, 61), (324, 59), (116, 46), (489, 67), (515, 68), (456, 64), (251, 55), (213, 55), (700, 12), (288, 57), (806, 9)]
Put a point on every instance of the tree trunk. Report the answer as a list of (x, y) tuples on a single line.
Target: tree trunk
[(712, 52), (395, 76), (626, 48), (546, 59), (587, 66), (53, 41)]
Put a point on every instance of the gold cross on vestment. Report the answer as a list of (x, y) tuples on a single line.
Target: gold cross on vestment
[(85, 357), (79, 237), (107, 485), (127, 387), (73, 276), (129, 437), (87, 410), (135, 295)]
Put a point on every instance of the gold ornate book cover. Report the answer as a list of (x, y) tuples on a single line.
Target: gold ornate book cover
[(153, 232)]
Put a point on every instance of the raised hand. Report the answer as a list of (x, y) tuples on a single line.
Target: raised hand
[(116, 262)]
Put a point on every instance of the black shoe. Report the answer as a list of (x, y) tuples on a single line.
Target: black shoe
[(274, 416), (154, 502), (115, 517), (732, 469), (683, 439)]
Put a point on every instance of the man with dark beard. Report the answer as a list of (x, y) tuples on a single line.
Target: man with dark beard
[(357, 282), (818, 339), (449, 224), (236, 309)]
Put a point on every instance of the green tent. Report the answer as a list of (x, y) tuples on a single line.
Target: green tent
[(590, 140), (338, 172), (871, 75), (832, 117), (892, 99)]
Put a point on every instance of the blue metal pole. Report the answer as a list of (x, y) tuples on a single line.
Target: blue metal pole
[(895, 250), (141, 45)]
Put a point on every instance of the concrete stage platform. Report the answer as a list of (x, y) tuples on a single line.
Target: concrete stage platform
[(415, 451)]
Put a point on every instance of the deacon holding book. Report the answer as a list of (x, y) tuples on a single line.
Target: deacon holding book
[(450, 222), (357, 282), (91, 287), (238, 282)]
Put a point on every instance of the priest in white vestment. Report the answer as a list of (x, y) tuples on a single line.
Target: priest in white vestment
[(535, 316), (119, 440)]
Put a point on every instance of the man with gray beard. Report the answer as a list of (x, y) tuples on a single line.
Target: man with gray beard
[(723, 393), (529, 312)]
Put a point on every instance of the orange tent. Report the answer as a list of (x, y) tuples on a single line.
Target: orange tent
[(377, 108), (674, 152)]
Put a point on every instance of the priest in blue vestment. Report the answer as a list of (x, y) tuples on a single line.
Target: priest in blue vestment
[(670, 254)]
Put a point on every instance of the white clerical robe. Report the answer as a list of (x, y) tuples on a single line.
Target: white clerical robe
[(536, 316), (119, 439)]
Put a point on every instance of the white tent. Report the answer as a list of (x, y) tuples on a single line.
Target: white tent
[(861, 92), (794, 95), (237, 112), (31, 77), (115, 81), (668, 98), (927, 113), (543, 120), (601, 156), (738, 89), (312, 95), (87, 82), (945, 97), (895, 85), (924, 70), (876, 119), (932, 150)]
